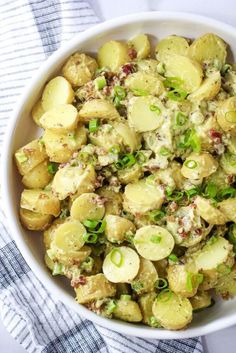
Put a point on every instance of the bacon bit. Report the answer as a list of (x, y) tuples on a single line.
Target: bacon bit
[(198, 231), (193, 205), (182, 233), (107, 90), (128, 68), (80, 281), (230, 179), (132, 53), (216, 136), (173, 206)]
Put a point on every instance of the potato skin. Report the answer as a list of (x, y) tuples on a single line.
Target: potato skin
[(117, 227), (113, 54), (38, 177), (128, 310), (40, 201), (79, 69), (34, 221)]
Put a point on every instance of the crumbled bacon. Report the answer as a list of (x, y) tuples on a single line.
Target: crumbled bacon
[(216, 136), (128, 68), (132, 53), (198, 231), (173, 206), (80, 281), (230, 179)]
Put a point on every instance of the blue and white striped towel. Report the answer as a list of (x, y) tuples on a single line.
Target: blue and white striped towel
[(29, 32)]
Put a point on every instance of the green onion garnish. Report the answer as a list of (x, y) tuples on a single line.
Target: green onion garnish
[(192, 192), (140, 157), (58, 269), (153, 322), (162, 295), (164, 151), (110, 306), (100, 82), (115, 149), (21, 157), (231, 116), (199, 278), (95, 226), (125, 297), (155, 238), (174, 195), (210, 191), (189, 284), (192, 140), (224, 269), (191, 164), (181, 119), (116, 257), (93, 125), (139, 92), (161, 283), (173, 258), (87, 265), (90, 223), (137, 286), (126, 161), (225, 69), (155, 108), (173, 82), (156, 215), (227, 192), (90, 238), (119, 92), (177, 95), (52, 168)]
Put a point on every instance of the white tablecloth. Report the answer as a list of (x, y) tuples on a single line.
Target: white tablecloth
[(223, 341)]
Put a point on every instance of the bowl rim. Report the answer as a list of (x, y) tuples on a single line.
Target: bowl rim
[(118, 326)]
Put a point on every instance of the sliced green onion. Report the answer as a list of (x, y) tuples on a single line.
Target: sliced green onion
[(139, 92), (152, 321), (52, 168), (100, 82), (189, 284), (192, 140), (164, 151), (126, 161), (174, 195), (137, 286), (225, 69), (212, 240), (64, 213), (119, 92), (93, 125), (116, 257), (210, 191), (41, 141), (173, 258), (155, 108), (110, 306), (161, 68), (156, 215), (173, 82), (155, 238), (58, 269), (192, 192), (181, 119), (21, 157), (161, 295), (100, 227), (115, 149), (87, 265), (140, 157), (161, 283), (199, 278), (231, 116), (191, 164), (224, 269), (90, 223), (177, 95), (90, 238), (125, 297), (227, 192)]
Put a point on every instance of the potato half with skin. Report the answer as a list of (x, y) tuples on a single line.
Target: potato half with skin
[(149, 107), (117, 227), (172, 311), (129, 137), (145, 303), (113, 200), (214, 253), (141, 44), (61, 146), (209, 88), (87, 206), (113, 55), (121, 265), (148, 82), (79, 69), (106, 137), (98, 109), (141, 197), (208, 48), (171, 45), (228, 163), (33, 220), (153, 242), (96, 287), (37, 112), (29, 156), (186, 69), (127, 310), (146, 278), (56, 92), (228, 208), (210, 213), (38, 177), (73, 180), (48, 234), (62, 118), (198, 166), (200, 300), (183, 279), (130, 175), (226, 115), (40, 201)]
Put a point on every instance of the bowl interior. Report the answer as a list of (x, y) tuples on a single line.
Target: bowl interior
[(22, 130)]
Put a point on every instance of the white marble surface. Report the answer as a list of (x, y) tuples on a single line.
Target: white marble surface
[(225, 340)]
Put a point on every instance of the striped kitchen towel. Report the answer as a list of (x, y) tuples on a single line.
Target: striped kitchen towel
[(30, 30)]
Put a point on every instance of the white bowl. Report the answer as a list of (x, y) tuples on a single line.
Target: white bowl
[(21, 130)]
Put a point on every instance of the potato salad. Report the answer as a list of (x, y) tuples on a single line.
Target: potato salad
[(132, 181)]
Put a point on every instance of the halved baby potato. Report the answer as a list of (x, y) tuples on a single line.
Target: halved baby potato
[(198, 166), (56, 92), (34, 220), (129, 137), (38, 177), (40, 201), (153, 242), (209, 88), (226, 115), (87, 206), (141, 44), (208, 212), (127, 310), (113, 55), (98, 109), (62, 118), (117, 228), (121, 265), (171, 45), (37, 112), (148, 82), (228, 208)]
